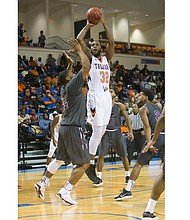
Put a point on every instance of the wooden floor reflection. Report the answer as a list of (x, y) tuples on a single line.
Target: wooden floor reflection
[(93, 202)]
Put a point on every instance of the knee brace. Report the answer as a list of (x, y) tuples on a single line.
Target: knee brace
[(54, 166), (97, 133)]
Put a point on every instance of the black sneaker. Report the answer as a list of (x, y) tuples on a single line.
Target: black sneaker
[(123, 195), (91, 173), (149, 216), (127, 179), (99, 182)]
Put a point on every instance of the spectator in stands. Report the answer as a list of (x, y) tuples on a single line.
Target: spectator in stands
[(113, 84), (27, 98), (136, 70), (23, 117), (145, 71), (21, 87), (29, 77), (41, 39), (130, 91), (39, 61), (34, 71), (63, 60), (48, 100), (124, 49), (24, 72), (159, 98), (59, 106), (31, 62), (21, 32), (44, 124), (40, 105), (25, 61), (51, 60), (55, 90), (62, 66), (34, 117), (27, 107), (127, 77)]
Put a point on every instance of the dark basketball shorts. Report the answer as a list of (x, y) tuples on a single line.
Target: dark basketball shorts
[(113, 139), (72, 145), (144, 158)]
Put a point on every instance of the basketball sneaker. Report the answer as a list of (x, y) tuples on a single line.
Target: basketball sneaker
[(64, 195), (91, 173), (123, 195), (149, 216), (40, 189), (127, 179), (98, 182)]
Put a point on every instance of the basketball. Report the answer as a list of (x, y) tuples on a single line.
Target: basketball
[(93, 15)]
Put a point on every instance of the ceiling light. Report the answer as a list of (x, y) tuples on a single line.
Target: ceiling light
[(116, 10), (146, 15)]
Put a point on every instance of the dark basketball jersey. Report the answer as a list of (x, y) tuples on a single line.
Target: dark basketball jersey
[(74, 102), (115, 119), (153, 115)]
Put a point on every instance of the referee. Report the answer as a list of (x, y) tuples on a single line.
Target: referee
[(137, 127)]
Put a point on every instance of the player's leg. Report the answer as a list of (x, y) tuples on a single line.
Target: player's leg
[(97, 133), (51, 170), (65, 191), (157, 190)]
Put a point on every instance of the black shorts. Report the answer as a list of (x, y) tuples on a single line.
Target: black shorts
[(144, 158), (72, 145), (113, 139)]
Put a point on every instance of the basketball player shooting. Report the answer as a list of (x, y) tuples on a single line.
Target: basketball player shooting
[(99, 102)]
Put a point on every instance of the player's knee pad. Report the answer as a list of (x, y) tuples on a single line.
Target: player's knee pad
[(54, 166), (51, 150)]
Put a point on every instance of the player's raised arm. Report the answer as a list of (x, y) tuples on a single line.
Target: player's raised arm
[(84, 59), (110, 48)]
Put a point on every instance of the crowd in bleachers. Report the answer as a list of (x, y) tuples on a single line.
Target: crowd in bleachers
[(39, 90)]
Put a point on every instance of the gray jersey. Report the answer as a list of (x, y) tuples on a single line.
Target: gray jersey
[(115, 119), (153, 115), (74, 102)]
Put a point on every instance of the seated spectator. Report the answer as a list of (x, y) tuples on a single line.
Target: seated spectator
[(27, 98), (59, 106), (41, 39), (23, 117), (130, 91), (44, 124), (51, 60), (25, 61), (63, 60), (62, 66), (21, 87), (48, 100), (55, 90), (34, 71), (24, 72), (39, 105), (31, 62), (34, 117), (29, 78), (145, 71), (27, 107), (39, 61)]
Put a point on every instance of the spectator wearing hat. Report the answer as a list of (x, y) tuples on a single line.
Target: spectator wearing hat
[(48, 100)]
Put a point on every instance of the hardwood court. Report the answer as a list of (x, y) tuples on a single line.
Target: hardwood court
[(93, 202)]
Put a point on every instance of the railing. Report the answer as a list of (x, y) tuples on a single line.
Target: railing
[(56, 42)]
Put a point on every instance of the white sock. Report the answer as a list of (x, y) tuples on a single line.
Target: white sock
[(68, 186), (92, 162), (130, 185), (151, 206), (99, 174), (127, 173)]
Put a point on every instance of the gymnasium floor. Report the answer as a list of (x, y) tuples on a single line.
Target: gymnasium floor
[(93, 202)]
